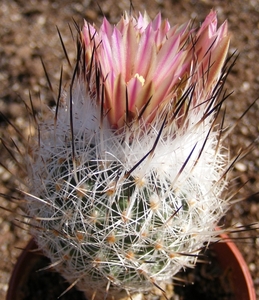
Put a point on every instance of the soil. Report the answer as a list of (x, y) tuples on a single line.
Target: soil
[(38, 281), (206, 282), (28, 33)]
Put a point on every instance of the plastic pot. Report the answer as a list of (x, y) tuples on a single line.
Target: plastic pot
[(227, 255), (28, 283), (231, 260)]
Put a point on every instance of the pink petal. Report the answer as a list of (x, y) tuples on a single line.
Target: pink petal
[(88, 33), (161, 94), (134, 87), (146, 54), (130, 45), (210, 22), (145, 94), (217, 60), (105, 55), (106, 28), (118, 52), (116, 102), (156, 23), (166, 60)]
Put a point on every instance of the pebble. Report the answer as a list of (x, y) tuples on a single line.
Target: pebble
[(245, 86), (252, 267), (241, 167)]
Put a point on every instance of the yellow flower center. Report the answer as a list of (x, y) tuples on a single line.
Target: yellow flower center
[(140, 78)]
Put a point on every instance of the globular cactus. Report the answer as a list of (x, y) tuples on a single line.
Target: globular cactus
[(127, 174)]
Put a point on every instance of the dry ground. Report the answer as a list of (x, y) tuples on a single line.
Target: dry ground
[(28, 32)]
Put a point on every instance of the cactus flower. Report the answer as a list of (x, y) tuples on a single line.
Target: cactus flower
[(150, 61), (128, 174)]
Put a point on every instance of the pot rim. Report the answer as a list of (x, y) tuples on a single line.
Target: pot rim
[(22, 262), (234, 260)]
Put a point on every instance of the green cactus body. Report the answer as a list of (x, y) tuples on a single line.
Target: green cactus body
[(100, 221), (124, 195)]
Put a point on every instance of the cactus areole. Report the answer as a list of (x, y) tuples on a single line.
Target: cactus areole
[(127, 174)]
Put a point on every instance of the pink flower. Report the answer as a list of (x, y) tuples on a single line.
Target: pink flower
[(146, 66)]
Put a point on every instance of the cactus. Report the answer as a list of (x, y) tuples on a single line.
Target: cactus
[(127, 174)]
